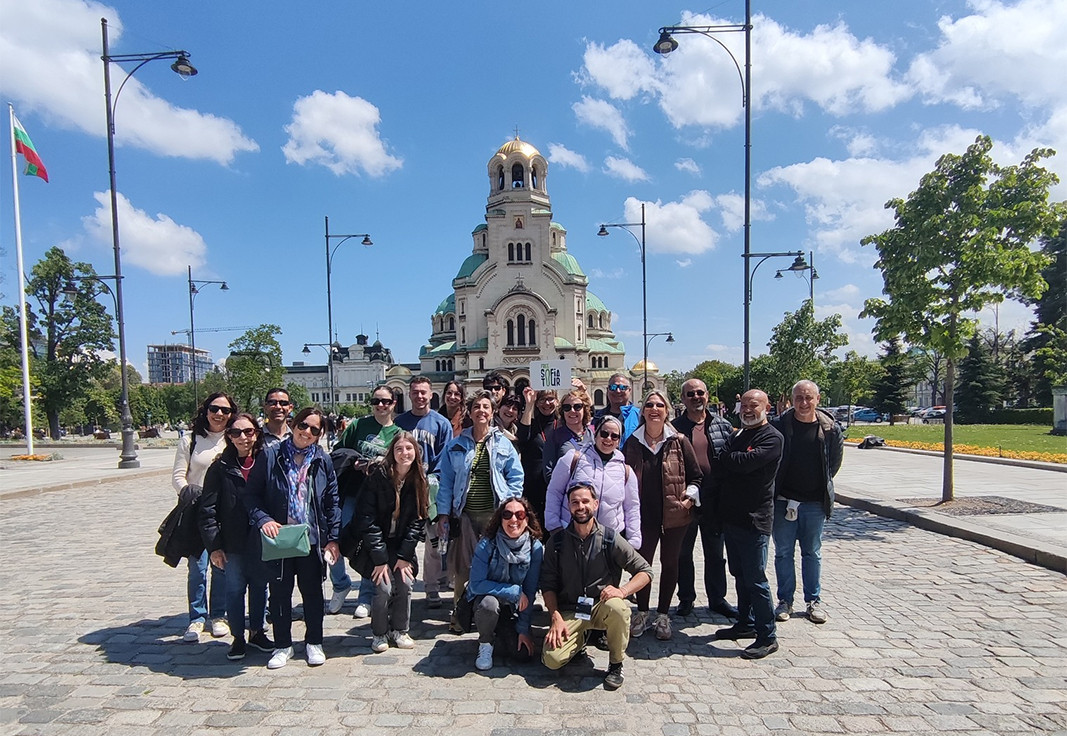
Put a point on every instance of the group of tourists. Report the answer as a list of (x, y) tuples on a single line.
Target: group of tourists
[(511, 492)]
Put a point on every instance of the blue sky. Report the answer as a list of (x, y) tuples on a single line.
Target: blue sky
[(385, 123)]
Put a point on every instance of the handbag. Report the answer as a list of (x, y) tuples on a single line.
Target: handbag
[(464, 613), (293, 540)]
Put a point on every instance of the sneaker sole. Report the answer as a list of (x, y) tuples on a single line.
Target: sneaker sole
[(235, 657)]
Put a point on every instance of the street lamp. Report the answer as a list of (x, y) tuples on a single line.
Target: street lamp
[(193, 291), (329, 291), (652, 336), (797, 255), (181, 65), (798, 268), (330, 349), (603, 232), (665, 45)]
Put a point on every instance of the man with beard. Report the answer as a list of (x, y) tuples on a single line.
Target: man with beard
[(749, 463), (708, 434), (580, 580)]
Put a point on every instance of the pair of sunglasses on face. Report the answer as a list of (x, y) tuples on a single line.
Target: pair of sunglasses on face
[(304, 426), (218, 409), (376, 401), (508, 514)]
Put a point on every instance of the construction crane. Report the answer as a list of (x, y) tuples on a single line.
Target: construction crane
[(211, 329)]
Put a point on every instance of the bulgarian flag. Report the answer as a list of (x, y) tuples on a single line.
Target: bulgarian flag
[(23, 145)]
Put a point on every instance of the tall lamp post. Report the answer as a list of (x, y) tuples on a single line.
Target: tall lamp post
[(799, 267), (329, 294), (181, 65), (603, 232), (329, 348), (797, 255), (652, 336), (667, 44), (193, 291)]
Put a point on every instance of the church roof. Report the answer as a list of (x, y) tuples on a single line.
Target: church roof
[(604, 346), (518, 146), (481, 227), (448, 305), (592, 302), (569, 263), (470, 265)]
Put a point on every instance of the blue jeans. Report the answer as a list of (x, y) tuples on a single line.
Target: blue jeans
[(747, 550), (339, 577), (808, 530), (244, 572), (197, 588)]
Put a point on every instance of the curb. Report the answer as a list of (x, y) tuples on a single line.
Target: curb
[(1035, 552), (26, 492), (1035, 464)]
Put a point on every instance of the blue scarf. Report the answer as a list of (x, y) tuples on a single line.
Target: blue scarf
[(297, 475), (509, 559)]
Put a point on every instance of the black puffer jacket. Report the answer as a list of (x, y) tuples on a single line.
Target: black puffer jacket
[(373, 520), (223, 519)]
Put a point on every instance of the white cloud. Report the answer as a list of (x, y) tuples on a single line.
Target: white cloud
[(676, 227), (600, 274), (157, 244), (726, 353), (604, 116), (623, 69), (625, 169), (857, 142), (563, 156), (339, 132), (688, 166), (857, 330), (848, 292), (732, 210), (684, 263), (51, 53)]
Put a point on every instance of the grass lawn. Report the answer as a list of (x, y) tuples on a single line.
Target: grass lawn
[(1017, 437)]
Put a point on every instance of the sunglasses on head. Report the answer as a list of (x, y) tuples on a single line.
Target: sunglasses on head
[(278, 402), (509, 514), (618, 387), (224, 410), (380, 402), (655, 405), (304, 426), (609, 435), (694, 394), (572, 407), (236, 432)]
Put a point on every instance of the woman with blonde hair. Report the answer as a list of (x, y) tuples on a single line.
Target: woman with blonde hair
[(573, 432)]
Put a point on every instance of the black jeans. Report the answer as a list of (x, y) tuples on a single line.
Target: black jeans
[(307, 573), (711, 542), (495, 622)]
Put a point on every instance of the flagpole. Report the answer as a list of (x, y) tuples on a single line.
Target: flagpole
[(27, 409)]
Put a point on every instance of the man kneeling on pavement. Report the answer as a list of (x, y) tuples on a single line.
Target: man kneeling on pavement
[(580, 580)]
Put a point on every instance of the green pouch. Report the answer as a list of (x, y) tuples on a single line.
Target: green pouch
[(293, 540)]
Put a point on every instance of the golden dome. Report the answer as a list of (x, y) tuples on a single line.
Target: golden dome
[(639, 367), (518, 146)]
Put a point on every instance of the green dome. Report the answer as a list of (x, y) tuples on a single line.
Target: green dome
[(448, 305), (470, 265), (592, 302), (569, 263)]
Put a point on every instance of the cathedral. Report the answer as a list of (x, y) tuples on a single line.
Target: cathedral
[(518, 297)]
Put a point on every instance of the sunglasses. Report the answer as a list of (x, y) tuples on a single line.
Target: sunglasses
[(278, 402), (610, 435), (224, 410), (236, 432), (494, 388), (694, 394), (655, 405), (618, 387), (381, 402), (305, 427), (509, 514), (572, 407)]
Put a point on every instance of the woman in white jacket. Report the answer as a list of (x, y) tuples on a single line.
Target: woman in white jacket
[(602, 465)]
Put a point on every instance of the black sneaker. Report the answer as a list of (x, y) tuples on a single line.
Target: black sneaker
[(237, 650), (736, 632), (684, 608), (724, 608), (756, 650), (599, 639), (260, 641), (614, 679)]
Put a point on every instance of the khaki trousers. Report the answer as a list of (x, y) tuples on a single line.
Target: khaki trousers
[(612, 615)]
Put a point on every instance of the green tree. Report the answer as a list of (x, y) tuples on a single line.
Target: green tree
[(254, 365), (1050, 319), (718, 376), (67, 335), (893, 387), (961, 242), (298, 394), (673, 381), (980, 384), (851, 379), (11, 415), (802, 348)]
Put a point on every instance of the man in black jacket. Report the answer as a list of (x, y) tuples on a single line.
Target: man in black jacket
[(746, 505), (804, 497), (708, 433)]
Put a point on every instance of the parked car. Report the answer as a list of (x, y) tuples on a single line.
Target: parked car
[(935, 414), (869, 415)]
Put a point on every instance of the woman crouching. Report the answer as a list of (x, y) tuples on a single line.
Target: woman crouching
[(503, 582), (388, 525)]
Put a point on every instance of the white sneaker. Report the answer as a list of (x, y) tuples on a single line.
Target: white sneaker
[(220, 628), (362, 611), (192, 634), (315, 654), (638, 624), (401, 640), (379, 643), (280, 658), (337, 601), (485, 657)]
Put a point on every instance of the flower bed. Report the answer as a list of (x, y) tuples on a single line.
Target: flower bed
[(1045, 457)]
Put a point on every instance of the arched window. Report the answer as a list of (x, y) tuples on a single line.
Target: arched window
[(481, 364), (452, 324), (591, 321), (579, 333), (521, 329), (533, 177), (437, 366), (450, 362), (532, 327), (598, 396), (518, 177), (499, 177), (511, 333), (511, 252), (528, 258)]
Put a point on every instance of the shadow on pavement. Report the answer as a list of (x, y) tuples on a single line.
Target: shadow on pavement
[(849, 524)]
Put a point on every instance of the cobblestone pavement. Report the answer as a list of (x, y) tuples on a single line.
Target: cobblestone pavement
[(926, 634)]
